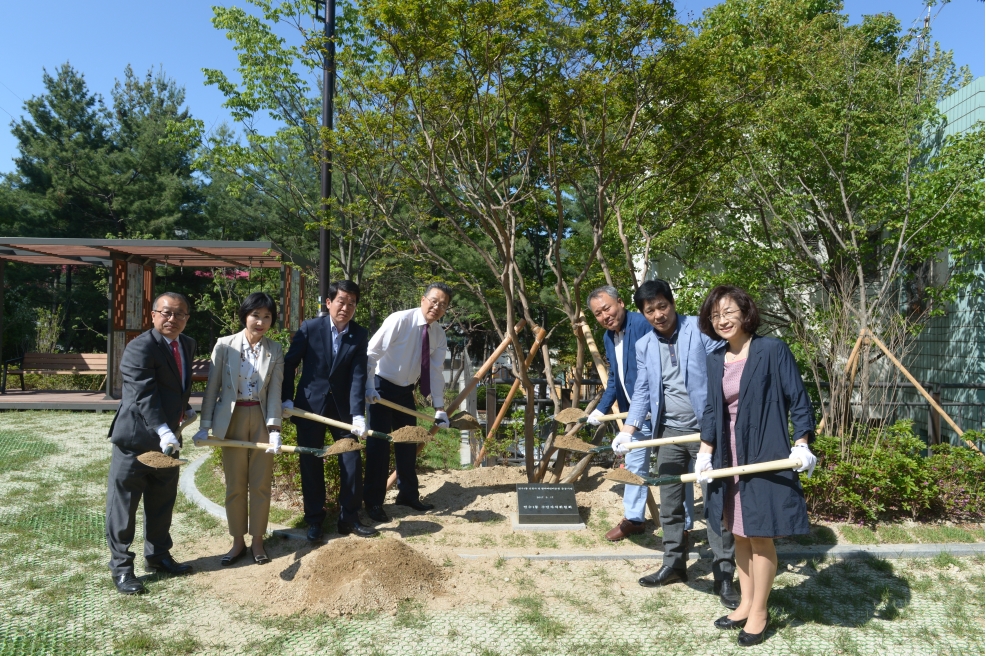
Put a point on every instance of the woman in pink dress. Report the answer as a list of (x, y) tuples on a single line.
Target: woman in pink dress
[(754, 388)]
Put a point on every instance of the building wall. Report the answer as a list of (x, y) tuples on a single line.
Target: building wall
[(950, 350)]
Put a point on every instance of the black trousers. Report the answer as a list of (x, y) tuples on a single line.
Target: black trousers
[(673, 460), (129, 481), (387, 420), (312, 434)]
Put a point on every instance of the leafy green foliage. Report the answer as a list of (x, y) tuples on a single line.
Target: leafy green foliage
[(891, 479)]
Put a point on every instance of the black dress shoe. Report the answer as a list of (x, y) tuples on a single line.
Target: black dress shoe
[(663, 576), (377, 514), (168, 565), (729, 596), (355, 528), (128, 584), (314, 532), (228, 560), (749, 639), (417, 504), (727, 624)]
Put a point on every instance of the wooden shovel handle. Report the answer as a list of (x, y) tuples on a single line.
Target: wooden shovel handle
[(304, 414), (680, 439), (618, 415), (772, 465), (407, 411)]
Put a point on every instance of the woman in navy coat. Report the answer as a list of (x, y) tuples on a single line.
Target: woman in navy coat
[(754, 386)]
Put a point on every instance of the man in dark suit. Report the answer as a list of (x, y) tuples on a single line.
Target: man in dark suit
[(332, 352), (157, 381)]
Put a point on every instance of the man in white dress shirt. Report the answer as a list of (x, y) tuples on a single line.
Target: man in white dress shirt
[(408, 349)]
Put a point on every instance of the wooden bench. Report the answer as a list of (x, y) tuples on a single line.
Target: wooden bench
[(74, 363), (93, 364)]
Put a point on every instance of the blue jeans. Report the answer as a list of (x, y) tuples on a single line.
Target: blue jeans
[(637, 462)]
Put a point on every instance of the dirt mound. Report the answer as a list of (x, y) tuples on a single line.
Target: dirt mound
[(344, 578)]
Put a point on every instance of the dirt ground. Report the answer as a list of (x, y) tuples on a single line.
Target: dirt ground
[(418, 556)]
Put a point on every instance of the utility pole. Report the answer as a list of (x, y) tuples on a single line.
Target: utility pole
[(328, 18)]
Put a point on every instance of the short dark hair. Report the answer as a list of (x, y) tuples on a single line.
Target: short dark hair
[(257, 301), (175, 296), (751, 315), (442, 287), (345, 286), (650, 290)]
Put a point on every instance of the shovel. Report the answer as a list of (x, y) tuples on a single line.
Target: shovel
[(159, 460), (623, 476), (646, 444), (409, 434), (577, 416), (341, 446), (460, 420)]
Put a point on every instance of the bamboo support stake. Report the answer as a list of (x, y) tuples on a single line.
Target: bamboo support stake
[(470, 386), (931, 401), (491, 429)]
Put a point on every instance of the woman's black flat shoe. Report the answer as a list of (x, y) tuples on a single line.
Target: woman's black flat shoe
[(228, 560), (727, 624), (749, 639), (261, 559)]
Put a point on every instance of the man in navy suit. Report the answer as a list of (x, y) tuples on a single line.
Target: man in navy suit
[(623, 329), (672, 385), (157, 382), (332, 352)]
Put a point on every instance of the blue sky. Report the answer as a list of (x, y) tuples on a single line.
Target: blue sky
[(101, 38)]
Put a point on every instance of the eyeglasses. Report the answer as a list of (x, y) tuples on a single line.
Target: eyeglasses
[(168, 315), (727, 315), (437, 304)]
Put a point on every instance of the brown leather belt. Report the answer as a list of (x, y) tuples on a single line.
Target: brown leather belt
[(246, 404)]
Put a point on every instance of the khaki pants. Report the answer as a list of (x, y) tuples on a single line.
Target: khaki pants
[(247, 469)]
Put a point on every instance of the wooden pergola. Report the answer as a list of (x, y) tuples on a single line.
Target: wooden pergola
[(131, 264)]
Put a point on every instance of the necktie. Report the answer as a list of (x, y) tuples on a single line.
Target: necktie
[(425, 363), (174, 352), (181, 377)]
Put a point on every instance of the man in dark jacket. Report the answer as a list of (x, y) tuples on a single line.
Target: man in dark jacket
[(157, 381), (332, 352)]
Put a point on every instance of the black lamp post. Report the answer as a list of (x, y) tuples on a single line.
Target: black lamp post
[(328, 18)]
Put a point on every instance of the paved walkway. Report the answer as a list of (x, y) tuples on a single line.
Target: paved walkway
[(56, 596)]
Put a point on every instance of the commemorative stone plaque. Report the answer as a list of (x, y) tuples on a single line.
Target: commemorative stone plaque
[(547, 504)]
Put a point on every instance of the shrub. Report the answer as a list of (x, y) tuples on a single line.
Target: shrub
[(891, 479)]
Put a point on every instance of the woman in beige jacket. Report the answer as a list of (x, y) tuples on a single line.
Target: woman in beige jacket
[(243, 402)]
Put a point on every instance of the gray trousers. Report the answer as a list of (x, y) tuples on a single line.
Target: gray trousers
[(673, 460), (130, 480)]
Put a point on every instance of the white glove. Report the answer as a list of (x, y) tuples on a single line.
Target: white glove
[(203, 434), (441, 419), (807, 458), (359, 425), (619, 444), (274, 440), (190, 416), (593, 418), (168, 439), (287, 405), (703, 464), (372, 396)]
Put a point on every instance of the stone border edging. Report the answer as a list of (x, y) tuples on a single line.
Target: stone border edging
[(836, 551), (188, 488)]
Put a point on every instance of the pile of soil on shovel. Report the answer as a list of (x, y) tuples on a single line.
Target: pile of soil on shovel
[(343, 445), (568, 415), (623, 476), (343, 578), (411, 434), (571, 443), (157, 460)]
